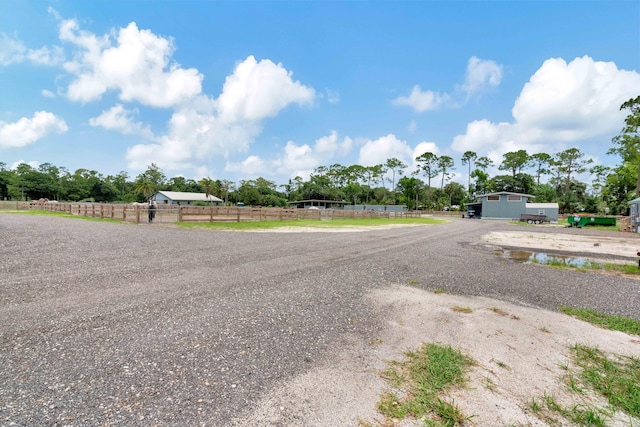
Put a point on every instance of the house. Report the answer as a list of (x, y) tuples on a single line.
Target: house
[(634, 215), (183, 198), (508, 205)]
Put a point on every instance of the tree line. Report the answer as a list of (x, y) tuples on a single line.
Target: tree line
[(549, 177)]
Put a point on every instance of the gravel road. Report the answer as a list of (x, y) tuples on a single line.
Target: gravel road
[(120, 324)]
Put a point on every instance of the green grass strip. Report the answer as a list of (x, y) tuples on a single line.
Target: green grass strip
[(313, 223), (425, 375), (617, 378), (607, 321)]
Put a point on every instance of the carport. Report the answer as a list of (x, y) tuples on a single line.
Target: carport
[(474, 210)]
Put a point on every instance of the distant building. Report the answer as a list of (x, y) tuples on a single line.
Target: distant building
[(507, 205), (183, 198), (634, 215), (318, 204)]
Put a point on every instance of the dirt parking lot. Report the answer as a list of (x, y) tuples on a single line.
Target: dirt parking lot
[(138, 325), (605, 245)]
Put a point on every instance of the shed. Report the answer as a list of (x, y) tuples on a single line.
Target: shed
[(184, 198), (508, 205), (634, 214)]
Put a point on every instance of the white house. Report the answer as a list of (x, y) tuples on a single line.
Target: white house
[(183, 198)]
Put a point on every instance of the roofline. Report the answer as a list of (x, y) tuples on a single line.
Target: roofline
[(211, 197), (320, 200), (505, 192)]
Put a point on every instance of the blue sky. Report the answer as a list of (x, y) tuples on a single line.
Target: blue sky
[(237, 90)]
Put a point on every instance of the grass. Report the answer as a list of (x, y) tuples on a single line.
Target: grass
[(346, 222), (423, 377), (615, 377), (548, 408), (265, 225), (62, 215), (607, 321)]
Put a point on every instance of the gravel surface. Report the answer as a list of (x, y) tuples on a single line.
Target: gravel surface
[(120, 324)]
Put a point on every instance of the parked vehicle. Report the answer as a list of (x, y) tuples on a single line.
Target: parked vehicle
[(534, 219)]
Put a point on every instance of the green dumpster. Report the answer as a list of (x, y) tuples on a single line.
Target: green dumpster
[(582, 220)]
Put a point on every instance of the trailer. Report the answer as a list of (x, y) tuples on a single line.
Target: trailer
[(534, 219)]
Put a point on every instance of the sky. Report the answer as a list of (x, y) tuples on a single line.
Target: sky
[(274, 89)]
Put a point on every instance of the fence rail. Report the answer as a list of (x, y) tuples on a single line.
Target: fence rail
[(139, 213)]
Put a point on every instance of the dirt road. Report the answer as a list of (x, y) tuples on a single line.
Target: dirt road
[(141, 325)]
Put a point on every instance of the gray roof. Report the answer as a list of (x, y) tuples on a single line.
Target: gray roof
[(191, 197), (505, 192)]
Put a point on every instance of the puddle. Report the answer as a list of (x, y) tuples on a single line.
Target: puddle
[(543, 258)]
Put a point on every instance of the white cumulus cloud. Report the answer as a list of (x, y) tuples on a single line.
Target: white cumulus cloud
[(13, 51), (204, 128), (252, 165), (136, 63), (377, 151), (422, 101), (34, 164), (29, 130), (575, 100), (120, 119), (295, 159), (481, 75), (258, 90), (561, 104)]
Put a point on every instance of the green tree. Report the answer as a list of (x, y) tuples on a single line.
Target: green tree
[(410, 188), (514, 161), (545, 193), (428, 166), (482, 183), (445, 164), (120, 181), (145, 186), (456, 193), (521, 183), (571, 162), (469, 158), (600, 174), (619, 188), (149, 182), (6, 177), (541, 162), (627, 143), (397, 167)]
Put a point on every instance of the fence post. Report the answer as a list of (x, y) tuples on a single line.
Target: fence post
[(137, 214), (180, 214), (238, 212)]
